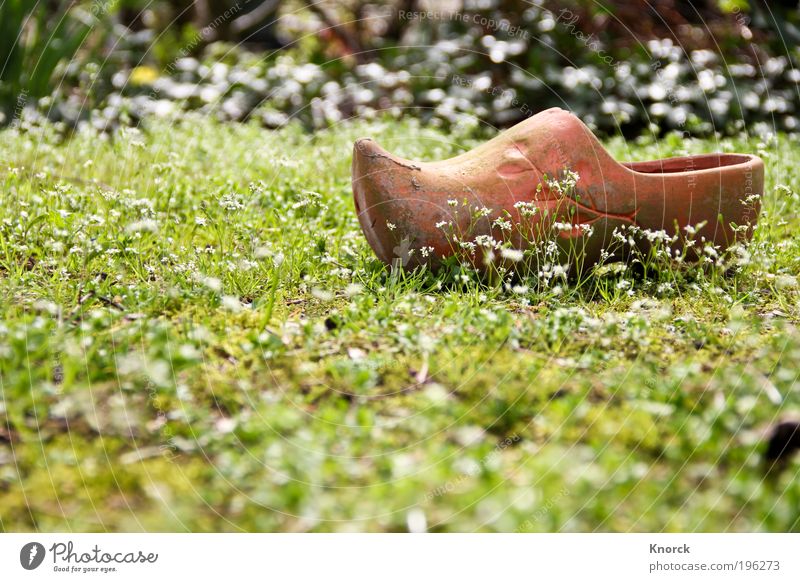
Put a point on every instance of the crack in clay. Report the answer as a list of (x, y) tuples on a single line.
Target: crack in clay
[(629, 217), (409, 166)]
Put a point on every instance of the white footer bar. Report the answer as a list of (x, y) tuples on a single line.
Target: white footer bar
[(396, 557)]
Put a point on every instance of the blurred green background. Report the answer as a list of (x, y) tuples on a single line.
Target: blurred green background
[(621, 65)]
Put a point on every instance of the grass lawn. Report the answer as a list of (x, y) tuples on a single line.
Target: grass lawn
[(196, 336)]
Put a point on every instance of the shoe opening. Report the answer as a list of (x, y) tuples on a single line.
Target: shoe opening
[(687, 163)]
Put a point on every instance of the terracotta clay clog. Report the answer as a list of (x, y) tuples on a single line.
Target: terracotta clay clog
[(403, 205)]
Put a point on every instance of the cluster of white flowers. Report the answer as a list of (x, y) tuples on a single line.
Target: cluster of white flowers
[(549, 272), (665, 288), (467, 245), (514, 255), (692, 230), (502, 224), (565, 184), (526, 209), (659, 236), (563, 226), (310, 199), (231, 202), (486, 241), (147, 225)]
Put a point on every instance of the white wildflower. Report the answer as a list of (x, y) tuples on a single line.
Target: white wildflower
[(484, 240), (353, 289), (502, 224), (231, 303), (322, 294), (231, 202), (147, 225), (560, 271), (212, 283), (514, 255), (624, 284), (526, 208)]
